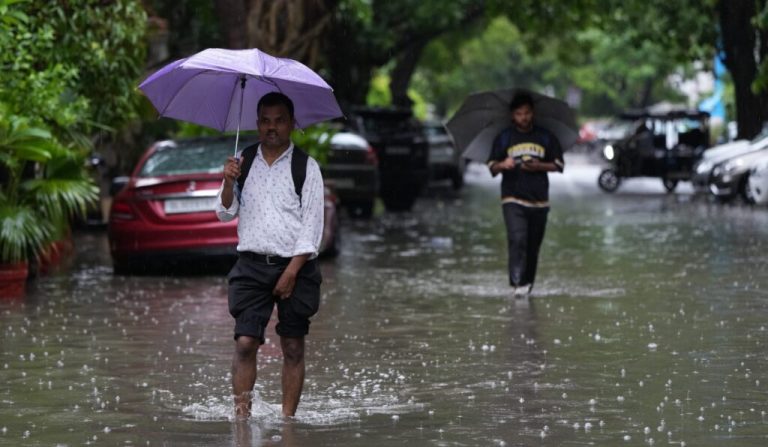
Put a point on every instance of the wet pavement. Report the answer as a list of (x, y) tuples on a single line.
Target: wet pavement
[(647, 326)]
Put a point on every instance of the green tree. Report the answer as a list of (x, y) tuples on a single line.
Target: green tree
[(612, 73), (368, 35), (67, 68), (73, 65), (700, 30), (35, 209)]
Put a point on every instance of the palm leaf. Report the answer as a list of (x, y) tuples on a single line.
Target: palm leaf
[(23, 232), (61, 198)]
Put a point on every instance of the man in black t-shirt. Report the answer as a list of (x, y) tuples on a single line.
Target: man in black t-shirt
[(523, 154)]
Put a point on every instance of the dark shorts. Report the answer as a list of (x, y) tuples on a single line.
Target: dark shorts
[(251, 301)]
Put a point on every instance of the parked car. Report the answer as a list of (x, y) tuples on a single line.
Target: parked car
[(401, 149), (757, 184), (164, 212), (445, 161), (702, 175), (729, 178), (352, 169)]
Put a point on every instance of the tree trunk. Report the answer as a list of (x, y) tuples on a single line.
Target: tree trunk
[(232, 15), (645, 93), (740, 40), (402, 73), (350, 62), (409, 48), (290, 28)]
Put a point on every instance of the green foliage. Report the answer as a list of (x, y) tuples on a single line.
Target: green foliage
[(315, 140), (378, 93), (760, 85), (683, 30), (610, 70), (21, 232), (10, 16), (72, 65), (36, 210), (66, 69), (189, 130)]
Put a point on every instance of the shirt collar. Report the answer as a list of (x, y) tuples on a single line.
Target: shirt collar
[(287, 153)]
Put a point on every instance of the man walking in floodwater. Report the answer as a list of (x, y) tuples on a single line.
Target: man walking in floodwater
[(523, 154), (278, 196)]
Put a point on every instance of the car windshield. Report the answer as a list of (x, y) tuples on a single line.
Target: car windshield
[(188, 158), (434, 131)]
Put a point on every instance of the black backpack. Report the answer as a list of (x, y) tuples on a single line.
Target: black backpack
[(299, 160)]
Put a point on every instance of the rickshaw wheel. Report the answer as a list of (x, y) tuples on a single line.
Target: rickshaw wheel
[(669, 184), (608, 181)]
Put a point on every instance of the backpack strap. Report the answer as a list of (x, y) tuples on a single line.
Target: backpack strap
[(248, 155), (299, 160)]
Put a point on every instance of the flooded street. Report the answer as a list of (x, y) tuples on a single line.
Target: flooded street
[(647, 327)]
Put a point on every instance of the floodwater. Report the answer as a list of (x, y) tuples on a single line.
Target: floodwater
[(647, 327)]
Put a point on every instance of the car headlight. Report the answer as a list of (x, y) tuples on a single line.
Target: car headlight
[(717, 171), (608, 152), (733, 166), (704, 167)]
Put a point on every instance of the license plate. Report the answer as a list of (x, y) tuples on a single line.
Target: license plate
[(441, 154), (191, 205), (344, 183), (398, 150)]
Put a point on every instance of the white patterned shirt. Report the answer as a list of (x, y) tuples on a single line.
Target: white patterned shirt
[(271, 219)]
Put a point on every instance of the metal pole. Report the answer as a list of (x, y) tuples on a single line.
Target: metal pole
[(240, 114)]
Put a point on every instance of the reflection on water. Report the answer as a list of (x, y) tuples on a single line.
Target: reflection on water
[(647, 327)]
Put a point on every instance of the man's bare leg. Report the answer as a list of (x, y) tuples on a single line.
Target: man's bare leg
[(244, 374), (293, 373)]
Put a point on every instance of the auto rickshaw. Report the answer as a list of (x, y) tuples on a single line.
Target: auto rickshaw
[(663, 145)]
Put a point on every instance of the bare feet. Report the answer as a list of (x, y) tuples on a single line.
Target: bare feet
[(242, 411)]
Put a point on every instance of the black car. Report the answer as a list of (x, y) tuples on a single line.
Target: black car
[(402, 151)]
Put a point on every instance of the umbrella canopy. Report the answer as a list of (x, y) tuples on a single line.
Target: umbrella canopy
[(484, 115), (220, 88)]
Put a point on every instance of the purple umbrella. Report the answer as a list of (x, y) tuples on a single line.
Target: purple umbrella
[(220, 89)]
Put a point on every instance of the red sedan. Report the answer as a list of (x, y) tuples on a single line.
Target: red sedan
[(164, 213)]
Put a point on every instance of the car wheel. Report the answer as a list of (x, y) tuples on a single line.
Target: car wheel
[(398, 201), (124, 267), (608, 181), (669, 184), (745, 191)]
